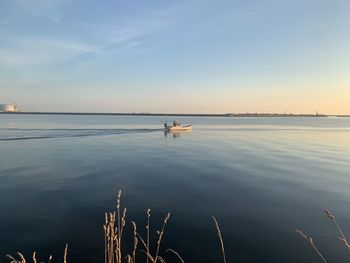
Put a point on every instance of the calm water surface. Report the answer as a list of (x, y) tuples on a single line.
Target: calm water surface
[(261, 177)]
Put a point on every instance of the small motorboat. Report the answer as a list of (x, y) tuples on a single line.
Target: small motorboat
[(177, 127)]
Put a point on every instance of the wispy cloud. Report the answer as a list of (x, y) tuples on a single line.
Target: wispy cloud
[(24, 51), (56, 19), (94, 39), (130, 29), (134, 44), (124, 34), (38, 9), (44, 51), (37, 6)]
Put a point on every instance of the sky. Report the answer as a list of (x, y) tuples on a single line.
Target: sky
[(178, 56)]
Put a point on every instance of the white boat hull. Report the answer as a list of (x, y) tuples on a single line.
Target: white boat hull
[(178, 128)]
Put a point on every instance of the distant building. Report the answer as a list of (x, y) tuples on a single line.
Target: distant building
[(7, 108)]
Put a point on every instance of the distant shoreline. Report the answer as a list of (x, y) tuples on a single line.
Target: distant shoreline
[(179, 114)]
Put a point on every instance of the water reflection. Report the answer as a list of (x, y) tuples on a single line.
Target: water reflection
[(261, 178), (177, 134)]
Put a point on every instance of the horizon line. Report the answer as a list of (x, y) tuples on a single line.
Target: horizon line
[(240, 114)]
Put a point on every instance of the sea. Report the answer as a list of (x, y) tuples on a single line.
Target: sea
[(261, 178)]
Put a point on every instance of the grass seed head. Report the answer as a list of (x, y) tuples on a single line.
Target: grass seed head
[(329, 214)]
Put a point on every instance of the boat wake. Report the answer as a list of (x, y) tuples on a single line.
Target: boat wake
[(14, 134)]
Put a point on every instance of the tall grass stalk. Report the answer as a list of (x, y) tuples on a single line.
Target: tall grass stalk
[(21, 258), (311, 242), (220, 238), (113, 233), (342, 236)]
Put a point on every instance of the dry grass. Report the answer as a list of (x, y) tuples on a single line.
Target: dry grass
[(113, 229), (342, 237), (21, 258), (114, 226), (311, 242), (113, 238), (220, 238)]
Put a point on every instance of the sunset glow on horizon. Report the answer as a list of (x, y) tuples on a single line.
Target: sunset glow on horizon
[(176, 56)]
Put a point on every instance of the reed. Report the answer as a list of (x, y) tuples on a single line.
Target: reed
[(342, 237), (311, 242), (114, 225), (113, 233), (175, 253), (220, 238), (147, 228), (21, 258), (65, 254)]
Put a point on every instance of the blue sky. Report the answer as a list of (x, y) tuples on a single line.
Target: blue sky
[(176, 56)]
